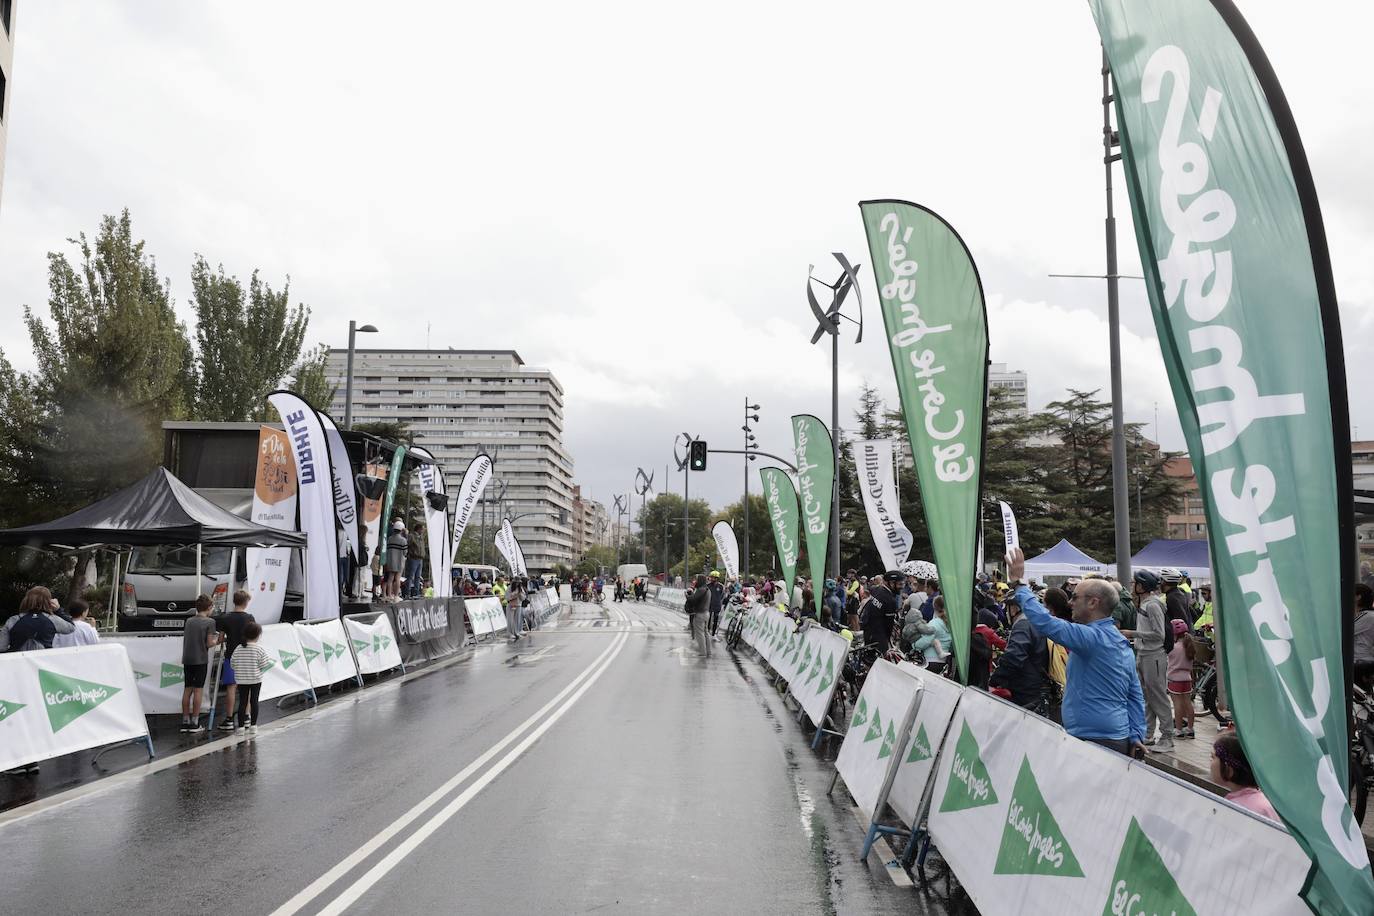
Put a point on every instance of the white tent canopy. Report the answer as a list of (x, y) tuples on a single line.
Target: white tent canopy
[(1064, 560)]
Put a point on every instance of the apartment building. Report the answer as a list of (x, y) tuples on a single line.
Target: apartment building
[(458, 403), (1014, 383), (591, 524)]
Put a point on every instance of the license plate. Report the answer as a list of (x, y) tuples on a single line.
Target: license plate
[(170, 624)]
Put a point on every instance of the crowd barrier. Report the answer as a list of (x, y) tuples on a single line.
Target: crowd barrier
[(59, 701), (373, 641), (485, 615), (1029, 818), (287, 669), (675, 598), (155, 659), (810, 660), (328, 657), (425, 628)]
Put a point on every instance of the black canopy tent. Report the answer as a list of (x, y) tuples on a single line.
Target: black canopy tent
[(159, 509)]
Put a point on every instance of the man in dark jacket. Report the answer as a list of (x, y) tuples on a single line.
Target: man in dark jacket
[(698, 606), (717, 591), (880, 611), (1024, 667)]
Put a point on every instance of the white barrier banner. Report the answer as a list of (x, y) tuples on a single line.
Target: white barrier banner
[(676, 598), (872, 738), (918, 757), (287, 670), (553, 596), (327, 658), (565, 594), (158, 674), (374, 644), (58, 701), (815, 687), (485, 614), (1035, 821)]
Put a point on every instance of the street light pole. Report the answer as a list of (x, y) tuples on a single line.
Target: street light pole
[(353, 331), (749, 442)]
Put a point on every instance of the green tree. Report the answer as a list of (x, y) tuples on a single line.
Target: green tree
[(1078, 477), (661, 518), (247, 341), (1015, 463), (390, 430), (310, 379), (114, 364), (595, 559)]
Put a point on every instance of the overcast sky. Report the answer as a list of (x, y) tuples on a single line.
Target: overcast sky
[(630, 194)]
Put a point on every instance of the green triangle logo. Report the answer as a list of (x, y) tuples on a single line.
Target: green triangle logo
[(172, 675), (69, 698), (806, 658), (328, 651), (340, 650), (376, 643), (829, 677), (268, 664), (288, 658), (875, 728), (311, 654), (920, 746), (888, 740), (969, 784), (860, 713), (1142, 883), (1032, 843), (9, 708), (360, 645), (815, 668), (140, 675)]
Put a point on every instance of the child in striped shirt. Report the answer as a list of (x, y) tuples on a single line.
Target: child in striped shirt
[(249, 661)]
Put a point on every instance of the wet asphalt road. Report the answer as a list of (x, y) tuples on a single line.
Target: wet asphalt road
[(591, 768)]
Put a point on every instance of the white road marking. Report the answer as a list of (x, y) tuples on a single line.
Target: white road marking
[(412, 842), (320, 884)]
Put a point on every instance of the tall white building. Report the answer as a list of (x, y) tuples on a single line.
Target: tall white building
[(459, 401), (6, 68), (1012, 381)]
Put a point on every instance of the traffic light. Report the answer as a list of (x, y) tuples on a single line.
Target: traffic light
[(697, 462)]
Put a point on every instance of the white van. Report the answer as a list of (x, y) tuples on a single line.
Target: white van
[(631, 571), (160, 587)]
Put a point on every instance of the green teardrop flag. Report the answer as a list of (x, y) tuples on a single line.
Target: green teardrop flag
[(781, 498), (815, 486), (937, 331), (1239, 280)]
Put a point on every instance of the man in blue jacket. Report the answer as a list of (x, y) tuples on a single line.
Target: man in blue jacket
[(1103, 702)]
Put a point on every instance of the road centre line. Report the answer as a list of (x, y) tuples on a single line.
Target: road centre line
[(351, 861)]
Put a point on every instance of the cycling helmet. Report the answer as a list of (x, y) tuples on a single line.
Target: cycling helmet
[(894, 575), (830, 584), (1170, 576), (1146, 579), (715, 574)]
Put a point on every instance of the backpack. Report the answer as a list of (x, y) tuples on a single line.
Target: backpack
[(31, 631)]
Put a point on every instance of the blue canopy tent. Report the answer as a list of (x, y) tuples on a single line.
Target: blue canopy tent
[(1190, 557), (1065, 560)]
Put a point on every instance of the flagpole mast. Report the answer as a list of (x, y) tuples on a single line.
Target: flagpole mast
[(1121, 505)]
